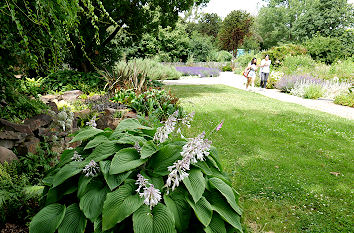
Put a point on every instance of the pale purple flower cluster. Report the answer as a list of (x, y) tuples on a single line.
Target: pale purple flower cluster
[(188, 119), (151, 194), (76, 157), (91, 169), (137, 147), (198, 71), (162, 132), (195, 149), (92, 122)]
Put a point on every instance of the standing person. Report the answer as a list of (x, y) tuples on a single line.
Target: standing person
[(252, 67), (265, 69)]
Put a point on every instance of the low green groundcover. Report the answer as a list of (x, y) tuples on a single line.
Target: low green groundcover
[(139, 179)]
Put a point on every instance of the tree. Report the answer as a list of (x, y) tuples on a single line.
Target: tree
[(209, 24), (42, 34), (325, 18), (233, 30)]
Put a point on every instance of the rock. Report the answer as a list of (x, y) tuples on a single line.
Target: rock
[(82, 113), (6, 155), (94, 97), (107, 120), (53, 106), (9, 139), (38, 121), (48, 98), (16, 127), (71, 95), (130, 115), (29, 146)]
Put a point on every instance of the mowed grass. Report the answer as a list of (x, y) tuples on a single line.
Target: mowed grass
[(280, 157)]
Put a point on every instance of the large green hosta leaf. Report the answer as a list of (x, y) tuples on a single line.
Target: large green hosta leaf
[(203, 210), (157, 220), (69, 170), (74, 220), (131, 139), (195, 183), (217, 225), (103, 151), (96, 141), (179, 207), (148, 149), (113, 181), (219, 205), (48, 219), (120, 204), (129, 125), (164, 158), (55, 194), (227, 192), (125, 160), (86, 134), (92, 202)]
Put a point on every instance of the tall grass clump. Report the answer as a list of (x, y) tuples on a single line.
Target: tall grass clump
[(298, 64)]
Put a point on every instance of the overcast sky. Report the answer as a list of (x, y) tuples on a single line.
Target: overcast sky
[(224, 7)]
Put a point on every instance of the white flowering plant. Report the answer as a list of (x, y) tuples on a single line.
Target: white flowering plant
[(139, 179)]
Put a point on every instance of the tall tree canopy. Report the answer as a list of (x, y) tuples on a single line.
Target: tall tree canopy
[(282, 21), (233, 30), (40, 35)]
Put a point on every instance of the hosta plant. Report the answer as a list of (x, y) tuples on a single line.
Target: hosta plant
[(139, 179)]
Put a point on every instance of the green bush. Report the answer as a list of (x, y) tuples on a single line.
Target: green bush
[(157, 103), (66, 80), (345, 99), (344, 70), (15, 105), (227, 68), (299, 64), (313, 92), (21, 187), (223, 56), (202, 48), (278, 54), (325, 49), (245, 59), (110, 181)]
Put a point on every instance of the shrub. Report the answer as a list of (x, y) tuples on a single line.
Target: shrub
[(245, 59), (297, 64), (139, 179), (344, 70), (223, 56), (278, 54), (227, 68), (346, 99), (287, 83), (325, 49), (66, 80), (274, 77), (158, 103), (15, 105), (313, 92)]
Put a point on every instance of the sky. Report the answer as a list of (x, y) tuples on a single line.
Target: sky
[(224, 7)]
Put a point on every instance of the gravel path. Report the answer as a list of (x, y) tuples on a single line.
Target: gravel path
[(238, 81)]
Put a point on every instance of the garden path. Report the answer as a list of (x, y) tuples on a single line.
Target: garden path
[(238, 81)]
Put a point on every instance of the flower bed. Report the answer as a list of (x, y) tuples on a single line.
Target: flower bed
[(130, 179), (198, 71)]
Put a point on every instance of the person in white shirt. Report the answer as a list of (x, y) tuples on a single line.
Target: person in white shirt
[(265, 69)]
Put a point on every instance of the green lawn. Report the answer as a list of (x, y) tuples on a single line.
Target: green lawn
[(280, 157)]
